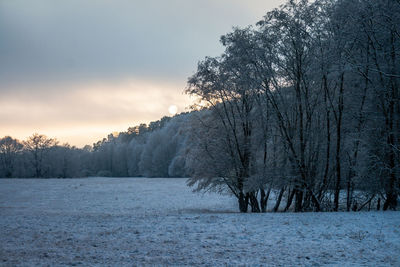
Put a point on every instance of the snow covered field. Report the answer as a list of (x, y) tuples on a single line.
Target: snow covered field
[(137, 221)]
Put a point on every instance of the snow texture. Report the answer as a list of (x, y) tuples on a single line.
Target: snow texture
[(139, 221)]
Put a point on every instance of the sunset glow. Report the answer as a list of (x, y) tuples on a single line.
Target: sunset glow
[(90, 111)]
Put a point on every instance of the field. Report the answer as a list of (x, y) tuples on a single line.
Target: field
[(139, 221)]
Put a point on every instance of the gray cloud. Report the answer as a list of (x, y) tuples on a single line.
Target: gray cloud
[(46, 40)]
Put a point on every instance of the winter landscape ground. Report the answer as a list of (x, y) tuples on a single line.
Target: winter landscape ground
[(139, 221)]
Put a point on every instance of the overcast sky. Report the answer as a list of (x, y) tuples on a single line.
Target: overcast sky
[(80, 69)]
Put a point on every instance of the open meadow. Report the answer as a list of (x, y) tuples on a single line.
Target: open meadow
[(140, 221)]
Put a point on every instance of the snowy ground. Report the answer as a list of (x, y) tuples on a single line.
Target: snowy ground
[(136, 221)]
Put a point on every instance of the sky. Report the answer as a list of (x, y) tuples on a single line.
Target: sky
[(78, 70)]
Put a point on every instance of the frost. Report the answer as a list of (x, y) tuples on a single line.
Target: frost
[(139, 221)]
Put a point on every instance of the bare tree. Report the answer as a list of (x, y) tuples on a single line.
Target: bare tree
[(224, 85), (38, 146), (9, 147)]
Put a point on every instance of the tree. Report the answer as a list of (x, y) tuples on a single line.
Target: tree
[(38, 146), (9, 147), (316, 86), (286, 40), (225, 86)]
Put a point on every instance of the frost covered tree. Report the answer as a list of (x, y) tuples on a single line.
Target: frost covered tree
[(134, 152), (287, 36), (38, 146), (225, 86), (380, 24), (64, 161), (318, 82), (9, 147), (161, 148)]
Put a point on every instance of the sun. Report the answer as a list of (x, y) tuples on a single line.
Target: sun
[(173, 109)]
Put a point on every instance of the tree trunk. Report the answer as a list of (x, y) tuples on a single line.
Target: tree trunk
[(254, 203), (338, 144), (306, 201), (391, 198), (243, 202), (290, 199), (349, 198), (324, 184), (299, 200), (391, 194), (264, 199), (279, 199)]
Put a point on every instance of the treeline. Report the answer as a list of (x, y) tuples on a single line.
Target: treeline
[(306, 104), (153, 150)]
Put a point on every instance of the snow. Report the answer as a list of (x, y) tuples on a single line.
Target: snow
[(139, 221)]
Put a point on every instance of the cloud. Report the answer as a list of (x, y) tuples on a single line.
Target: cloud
[(85, 68), (83, 40)]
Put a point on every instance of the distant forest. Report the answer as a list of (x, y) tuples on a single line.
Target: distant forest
[(304, 106), (145, 150)]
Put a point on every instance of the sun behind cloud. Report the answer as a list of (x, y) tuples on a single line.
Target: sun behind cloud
[(173, 109)]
